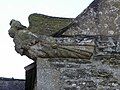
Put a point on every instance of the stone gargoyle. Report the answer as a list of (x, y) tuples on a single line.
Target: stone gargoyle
[(46, 46)]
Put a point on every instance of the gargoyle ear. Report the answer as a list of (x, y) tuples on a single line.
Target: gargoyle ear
[(11, 21)]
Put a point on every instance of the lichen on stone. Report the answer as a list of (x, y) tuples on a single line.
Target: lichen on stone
[(85, 51), (46, 25)]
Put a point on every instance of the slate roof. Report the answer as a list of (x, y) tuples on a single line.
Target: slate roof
[(12, 84)]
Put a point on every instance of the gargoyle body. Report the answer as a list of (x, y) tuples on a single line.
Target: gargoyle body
[(43, 46)]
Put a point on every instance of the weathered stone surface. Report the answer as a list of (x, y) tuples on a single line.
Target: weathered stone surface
[(101, 17), (34, 46), (48, 78), (81, 74), (15, 26), (85, 55), (46, 25)]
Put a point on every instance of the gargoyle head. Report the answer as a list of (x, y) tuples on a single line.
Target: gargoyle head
[(15, 26)]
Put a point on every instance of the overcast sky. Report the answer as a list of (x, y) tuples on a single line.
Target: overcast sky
[(11, 63)]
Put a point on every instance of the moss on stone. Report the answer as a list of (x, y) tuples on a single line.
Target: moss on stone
[(42, 24)]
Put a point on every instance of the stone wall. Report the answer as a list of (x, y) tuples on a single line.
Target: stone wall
[(101, 72)]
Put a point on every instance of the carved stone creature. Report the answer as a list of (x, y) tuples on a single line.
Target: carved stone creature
[(34, 46), (42, 46), (80, 56)]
